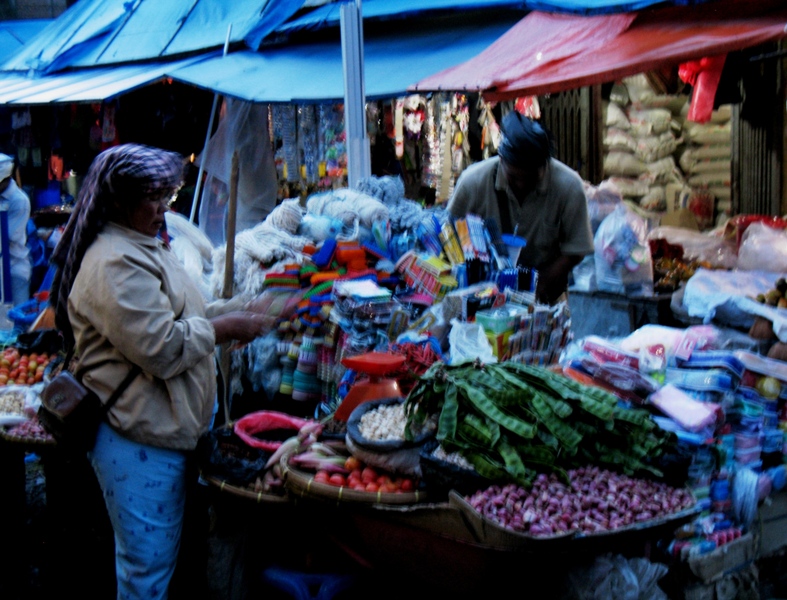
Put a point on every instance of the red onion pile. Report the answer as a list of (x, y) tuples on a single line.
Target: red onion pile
[(31, 430), (595, 500)]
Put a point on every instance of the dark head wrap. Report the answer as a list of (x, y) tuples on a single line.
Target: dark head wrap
[(128, 172), (524, 141)]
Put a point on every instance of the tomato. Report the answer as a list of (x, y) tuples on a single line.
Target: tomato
[(383, 480), (352, 463), (368, 475), (389, 488), (406, 485), (337, 479), (322, 476), (372, 487), (3, 378), (33, 365), (357, 485), (354, 476)]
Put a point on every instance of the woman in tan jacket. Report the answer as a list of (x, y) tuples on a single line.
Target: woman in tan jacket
[(122, 298)]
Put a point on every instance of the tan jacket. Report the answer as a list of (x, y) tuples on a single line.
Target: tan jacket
[(133, 302)]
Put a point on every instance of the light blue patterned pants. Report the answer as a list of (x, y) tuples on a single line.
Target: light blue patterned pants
[(144, 490)]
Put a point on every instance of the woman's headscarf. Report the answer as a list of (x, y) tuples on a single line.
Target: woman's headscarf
[(524, 141), (126, 171)]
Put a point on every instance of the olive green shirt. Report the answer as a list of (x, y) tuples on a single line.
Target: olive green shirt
[(553, 218)]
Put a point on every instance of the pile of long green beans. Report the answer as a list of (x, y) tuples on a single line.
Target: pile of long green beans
[(513, 421)]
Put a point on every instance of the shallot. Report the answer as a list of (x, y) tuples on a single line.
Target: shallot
[(594, 500)]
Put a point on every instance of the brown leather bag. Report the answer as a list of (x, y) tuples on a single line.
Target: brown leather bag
[(71, 413)]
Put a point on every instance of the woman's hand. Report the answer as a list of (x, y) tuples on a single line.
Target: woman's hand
[(241, 326), (275, 304)]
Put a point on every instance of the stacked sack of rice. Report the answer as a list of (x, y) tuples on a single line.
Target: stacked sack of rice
[(640, 141), (706, 158)]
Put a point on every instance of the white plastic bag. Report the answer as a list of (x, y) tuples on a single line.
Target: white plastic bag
[(614, 577), (716, 250), (762, 245), (622, 256), (468, 342)]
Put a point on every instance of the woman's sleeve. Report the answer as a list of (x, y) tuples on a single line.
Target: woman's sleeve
[(128, 306)]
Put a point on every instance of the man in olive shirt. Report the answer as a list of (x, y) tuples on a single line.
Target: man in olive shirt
[(524, 188)]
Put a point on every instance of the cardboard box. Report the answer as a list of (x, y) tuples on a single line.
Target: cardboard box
[(773, 514), (733, 555)]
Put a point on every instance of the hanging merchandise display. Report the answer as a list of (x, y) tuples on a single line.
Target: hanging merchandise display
[(307, 143), (285, 132), (490, 130), (331, 142), (433, 160)]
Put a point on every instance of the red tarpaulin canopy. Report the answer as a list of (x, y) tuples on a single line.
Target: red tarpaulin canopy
[(549, 52)]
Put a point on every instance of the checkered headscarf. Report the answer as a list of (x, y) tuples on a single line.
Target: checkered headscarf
[(128, 171)]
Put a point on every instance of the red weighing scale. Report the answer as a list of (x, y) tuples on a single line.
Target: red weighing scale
[(373, 387)]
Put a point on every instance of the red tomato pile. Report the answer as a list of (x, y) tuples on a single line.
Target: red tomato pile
[(364, 478), (22, 369)]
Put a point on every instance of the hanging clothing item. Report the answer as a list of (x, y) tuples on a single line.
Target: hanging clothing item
[(242, 129)]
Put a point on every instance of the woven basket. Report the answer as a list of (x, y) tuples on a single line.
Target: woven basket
[(27, 441), (241, 492), (301, 484)]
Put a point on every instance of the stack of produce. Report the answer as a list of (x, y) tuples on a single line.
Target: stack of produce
[(592, 500), (513, 421)]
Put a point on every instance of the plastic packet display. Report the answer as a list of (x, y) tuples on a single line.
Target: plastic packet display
[(701, 380), (693, 415), (604, 351)]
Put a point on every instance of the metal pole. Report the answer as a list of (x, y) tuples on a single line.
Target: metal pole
[(359, 162), (232, 210), (198, 188), (225, 355)]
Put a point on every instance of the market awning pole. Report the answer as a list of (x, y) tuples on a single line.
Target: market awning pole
[(198, 188), (359, 161), (232, 210), (229, 277)]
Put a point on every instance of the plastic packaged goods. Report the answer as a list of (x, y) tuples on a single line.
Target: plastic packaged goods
[(761, 245), (709, 380), (623, 262), (689, 413)]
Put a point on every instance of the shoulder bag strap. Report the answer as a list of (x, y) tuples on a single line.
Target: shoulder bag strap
[(503, 207), (135, 370), (130, 376)]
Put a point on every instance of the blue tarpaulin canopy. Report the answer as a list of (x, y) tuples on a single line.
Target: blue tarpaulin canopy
[(125, 36), (313, 72), (15, 34), (328, 14), (96, 33), (86, 85)]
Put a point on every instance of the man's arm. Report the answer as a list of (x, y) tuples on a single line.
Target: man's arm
[(553, 278)]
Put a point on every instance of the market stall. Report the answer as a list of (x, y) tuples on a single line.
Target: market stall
[(418, 388), (382, 298)]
